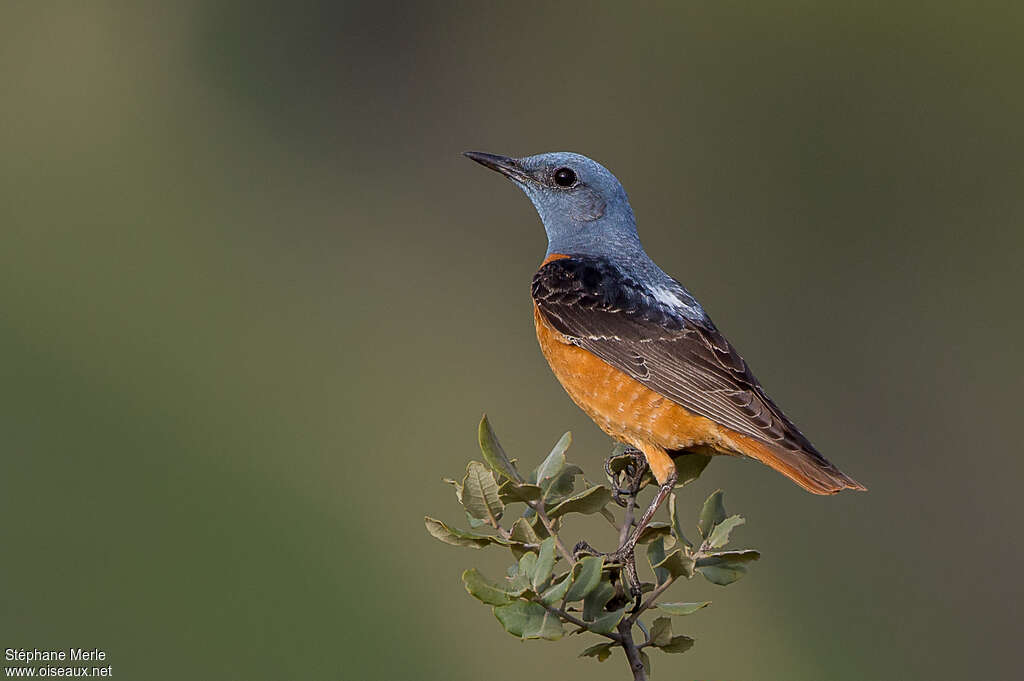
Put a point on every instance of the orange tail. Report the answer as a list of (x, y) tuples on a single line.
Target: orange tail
[(810, 470)]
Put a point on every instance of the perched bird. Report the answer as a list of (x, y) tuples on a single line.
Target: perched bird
[(630, 344)]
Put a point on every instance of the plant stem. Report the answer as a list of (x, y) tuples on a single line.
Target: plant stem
[(538, 507), (575, 620), (632, 652), (505, 534), (650, 600)]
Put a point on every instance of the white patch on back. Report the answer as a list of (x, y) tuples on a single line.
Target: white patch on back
[(667, 297), (678, 301)]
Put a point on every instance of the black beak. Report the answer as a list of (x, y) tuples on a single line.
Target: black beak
[(509, 167)]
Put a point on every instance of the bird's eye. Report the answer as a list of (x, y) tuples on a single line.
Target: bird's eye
[(565, 177)]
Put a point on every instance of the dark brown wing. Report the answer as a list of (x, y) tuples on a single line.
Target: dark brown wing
[(663, 339)]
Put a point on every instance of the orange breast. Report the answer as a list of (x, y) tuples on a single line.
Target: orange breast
[(622, 406)]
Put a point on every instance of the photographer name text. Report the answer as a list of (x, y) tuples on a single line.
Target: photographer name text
[(52, 659)]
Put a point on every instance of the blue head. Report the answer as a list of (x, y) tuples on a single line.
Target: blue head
[(584, 209)]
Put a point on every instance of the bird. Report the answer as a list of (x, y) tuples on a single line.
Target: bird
[(633, 348)]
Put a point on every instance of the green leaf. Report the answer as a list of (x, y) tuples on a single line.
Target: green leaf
[(562, 485), (594, 602), (493, 452), (522, 577), (689, 467), (653, 531), (727, 567), (711, 514), (678, 644), (527, 565), (545, 564), (681, 608), (537, 525), (480, 493), (439, 530), (589, 501), (549, 629), (723, 575), (602, 651), (586, 574), (474, 522), (646, 660), (656, 554), (457, 485), (490, 592), (744, 556), (720, 535), (678, 564), (555, 461), (661, 631), (557, 591), (522, 532), (529, 620), (511, 492), (607, 622), (675, 522)]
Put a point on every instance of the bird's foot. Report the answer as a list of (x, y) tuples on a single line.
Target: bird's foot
[(625, 557), (630, 476)]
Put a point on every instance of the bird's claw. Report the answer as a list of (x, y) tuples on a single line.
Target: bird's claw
[(584, 549), (632, 475), (631, 586)]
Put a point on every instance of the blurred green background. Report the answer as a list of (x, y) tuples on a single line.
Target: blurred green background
[(253, 303)]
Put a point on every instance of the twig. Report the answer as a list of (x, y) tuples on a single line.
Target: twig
[(538, 507), (632, 652), (502, 532), (650, 599), (575, 620)]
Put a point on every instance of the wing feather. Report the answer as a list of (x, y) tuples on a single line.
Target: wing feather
[(679, 355)]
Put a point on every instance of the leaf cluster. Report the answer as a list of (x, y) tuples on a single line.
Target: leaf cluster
[(547, 592)]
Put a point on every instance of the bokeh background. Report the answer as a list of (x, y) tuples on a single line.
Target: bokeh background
[(253, 303)]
